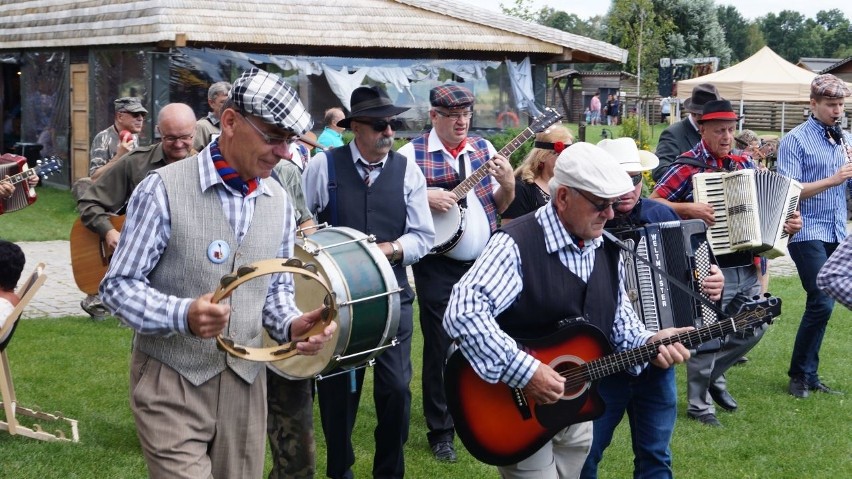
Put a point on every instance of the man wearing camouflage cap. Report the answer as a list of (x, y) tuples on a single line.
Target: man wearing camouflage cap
[(816, 153), (199, 412)]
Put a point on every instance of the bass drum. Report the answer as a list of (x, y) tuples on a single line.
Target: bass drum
[(366, 293)]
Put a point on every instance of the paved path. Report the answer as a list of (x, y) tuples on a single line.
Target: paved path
[(60, 297)]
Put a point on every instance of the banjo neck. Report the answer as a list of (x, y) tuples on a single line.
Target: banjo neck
[(468, 183)]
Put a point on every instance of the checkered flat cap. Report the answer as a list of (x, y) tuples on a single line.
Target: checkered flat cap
[(829, 86), (266, 96), (451, 96)]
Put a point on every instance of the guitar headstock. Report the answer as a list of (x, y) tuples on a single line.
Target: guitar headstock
[(541, 122), (761, 310), (48, 166)]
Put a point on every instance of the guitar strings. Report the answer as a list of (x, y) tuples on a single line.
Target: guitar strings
[(627, 358)]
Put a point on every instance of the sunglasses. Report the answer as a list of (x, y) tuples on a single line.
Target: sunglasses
[(380, 125), (636, 179), (600, 207), (135, 114)]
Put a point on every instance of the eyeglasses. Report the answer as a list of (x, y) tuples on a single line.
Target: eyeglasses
[(636, 179), (381, 125), (135, 114), (599, 207), (271, 140), (455, 116), (182, 139)]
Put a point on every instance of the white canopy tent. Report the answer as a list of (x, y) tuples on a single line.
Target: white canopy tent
[(764, 76)]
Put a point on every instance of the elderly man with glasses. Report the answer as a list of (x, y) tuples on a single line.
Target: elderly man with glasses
[(198, 411), (447, 156)]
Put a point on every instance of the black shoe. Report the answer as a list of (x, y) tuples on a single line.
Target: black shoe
[(708, 419), (798, 387), (724, 399), (741, 361), (822, 388), (444, 451)]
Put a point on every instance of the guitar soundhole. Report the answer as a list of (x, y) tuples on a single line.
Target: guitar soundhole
[(570, 368)]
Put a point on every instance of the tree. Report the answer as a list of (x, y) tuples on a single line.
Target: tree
[(522, 9), (735, 29), (698, 31), (789, 36), (635, 26), (836, 40)]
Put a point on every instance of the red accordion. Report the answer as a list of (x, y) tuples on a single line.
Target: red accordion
[(12, 165)]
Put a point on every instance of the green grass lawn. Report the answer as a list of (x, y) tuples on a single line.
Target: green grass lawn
[(80, 367)]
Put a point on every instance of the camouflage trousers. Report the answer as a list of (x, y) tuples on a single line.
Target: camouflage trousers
[(290, 427)]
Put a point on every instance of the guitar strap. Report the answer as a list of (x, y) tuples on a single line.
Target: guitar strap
[(680, 284), (462, 175)]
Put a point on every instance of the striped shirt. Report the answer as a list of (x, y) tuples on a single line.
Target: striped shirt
[(835, 277), (806, 155), (495, 281), (126, 289)]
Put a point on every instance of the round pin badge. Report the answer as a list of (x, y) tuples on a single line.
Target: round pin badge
[(218, 251)]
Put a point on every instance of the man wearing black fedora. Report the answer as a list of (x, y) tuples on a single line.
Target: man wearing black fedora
[(680, 137), (705, 372), (366, 186)]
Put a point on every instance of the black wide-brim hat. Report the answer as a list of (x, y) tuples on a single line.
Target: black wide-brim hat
[(371, 102), (701, 94), (718, 110)]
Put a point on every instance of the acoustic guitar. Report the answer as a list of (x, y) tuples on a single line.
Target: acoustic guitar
[(90, 255), (500, 425)]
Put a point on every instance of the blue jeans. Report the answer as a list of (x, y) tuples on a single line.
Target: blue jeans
[(809, 257), (650, 401)]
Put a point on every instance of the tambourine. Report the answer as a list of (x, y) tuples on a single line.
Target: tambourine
[(231, 281)]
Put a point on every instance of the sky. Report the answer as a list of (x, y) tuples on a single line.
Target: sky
[(750, 9)]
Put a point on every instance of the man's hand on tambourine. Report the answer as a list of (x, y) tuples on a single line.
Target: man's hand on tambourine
[(301, 325), (207, 319)]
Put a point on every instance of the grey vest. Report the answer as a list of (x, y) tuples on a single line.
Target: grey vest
[(185, 271)]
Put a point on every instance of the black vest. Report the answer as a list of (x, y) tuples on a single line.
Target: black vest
[(379, 209), (552, 292)]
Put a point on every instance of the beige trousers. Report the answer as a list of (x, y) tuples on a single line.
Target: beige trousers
[(561, 458), (215, 430)]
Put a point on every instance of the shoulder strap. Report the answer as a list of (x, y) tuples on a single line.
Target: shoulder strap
[(332, 187), (687, 160)]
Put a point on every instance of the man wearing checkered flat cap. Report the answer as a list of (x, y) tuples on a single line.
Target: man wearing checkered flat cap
[(199, 412), (447, 155), (817, 153)]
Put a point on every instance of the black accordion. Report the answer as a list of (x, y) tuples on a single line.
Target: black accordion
[(681, 249)]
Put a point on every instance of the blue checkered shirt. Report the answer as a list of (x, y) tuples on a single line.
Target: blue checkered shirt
[(126, 290), (495, 281), (807, 155)]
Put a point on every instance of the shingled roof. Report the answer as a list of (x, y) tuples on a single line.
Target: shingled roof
[(348, 24)]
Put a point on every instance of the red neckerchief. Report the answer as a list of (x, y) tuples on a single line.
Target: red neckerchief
[(454, 152)]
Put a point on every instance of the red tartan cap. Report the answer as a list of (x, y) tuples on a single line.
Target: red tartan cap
[(451, 96)]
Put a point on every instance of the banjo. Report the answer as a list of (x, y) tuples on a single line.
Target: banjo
[(450, 224)]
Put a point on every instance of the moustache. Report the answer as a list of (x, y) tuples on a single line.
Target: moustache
[(384, 142)]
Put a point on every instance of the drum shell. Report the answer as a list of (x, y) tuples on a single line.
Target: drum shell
[(365, 291)]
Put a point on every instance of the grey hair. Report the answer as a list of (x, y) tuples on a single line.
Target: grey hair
[(218, 88)]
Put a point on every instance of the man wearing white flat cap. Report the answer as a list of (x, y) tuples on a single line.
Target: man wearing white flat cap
[(543, 268), (649, 399)]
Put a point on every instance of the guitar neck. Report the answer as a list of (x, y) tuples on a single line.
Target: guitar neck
[(465, 186), (619, 362), (19, 177)]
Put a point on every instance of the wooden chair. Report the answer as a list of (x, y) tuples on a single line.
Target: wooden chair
[(7, 388)]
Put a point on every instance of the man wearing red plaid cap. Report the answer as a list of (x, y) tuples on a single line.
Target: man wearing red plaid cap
[(817, 154), (447, 155)]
